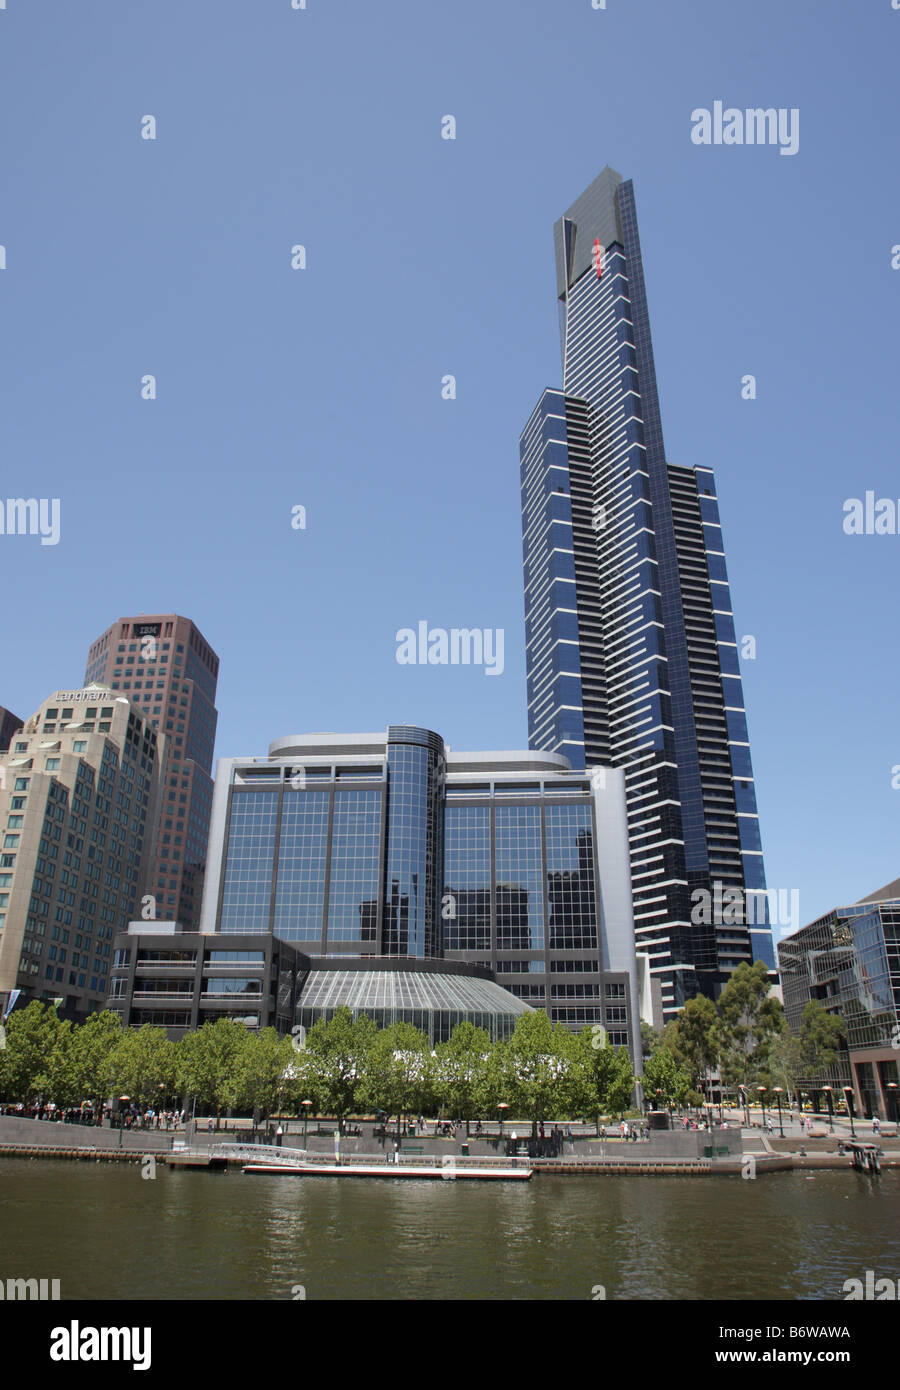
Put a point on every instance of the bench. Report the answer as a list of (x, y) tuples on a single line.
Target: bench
[(413, 1149)]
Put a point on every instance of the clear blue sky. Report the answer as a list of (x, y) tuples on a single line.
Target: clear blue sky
[(322, 387)]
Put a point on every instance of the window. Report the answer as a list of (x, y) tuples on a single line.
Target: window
[(80, 745), (52, 764)]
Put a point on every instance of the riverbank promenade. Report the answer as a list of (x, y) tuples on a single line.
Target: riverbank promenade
[(576, 1148)]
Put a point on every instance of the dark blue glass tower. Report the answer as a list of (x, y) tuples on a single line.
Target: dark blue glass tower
[(631, 653)]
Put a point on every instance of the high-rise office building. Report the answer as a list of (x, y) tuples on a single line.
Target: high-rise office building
[(411, 875), (168, 669), (79, 792), (632, 660), (9, 724)]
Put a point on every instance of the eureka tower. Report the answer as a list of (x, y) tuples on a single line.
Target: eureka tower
[(631, 654)]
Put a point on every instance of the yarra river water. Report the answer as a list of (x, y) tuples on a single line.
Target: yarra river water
[(107, 1233)]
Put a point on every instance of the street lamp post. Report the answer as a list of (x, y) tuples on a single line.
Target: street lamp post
[(746, 1103), (827, 1090), (892, 1087), (306, 1106), (778, 1093), (761, 1091), (848, 1092), (122, 1120), (501, 1106)]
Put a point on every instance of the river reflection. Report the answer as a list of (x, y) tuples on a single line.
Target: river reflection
[(107, 1233)]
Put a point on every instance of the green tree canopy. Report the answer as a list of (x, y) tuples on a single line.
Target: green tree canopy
[(260, 1077), (821, 1037), (460, 1077), (665, 1081), (606, 1076), (142, 1066), (329, 1069), (691, 1040), (398, 1071), (208, 1061), (749, 1020), (35, 1044), (536, 1070)]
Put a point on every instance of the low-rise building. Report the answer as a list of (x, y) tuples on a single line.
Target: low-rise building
[(849, 960), (179, 980)]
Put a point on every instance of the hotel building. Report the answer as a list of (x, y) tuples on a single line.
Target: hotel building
[(79, 793)]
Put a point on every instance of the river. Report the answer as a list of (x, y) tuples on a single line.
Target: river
[(107, 1233)]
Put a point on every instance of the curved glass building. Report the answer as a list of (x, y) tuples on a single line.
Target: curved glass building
[(434, 999), (416, 768)]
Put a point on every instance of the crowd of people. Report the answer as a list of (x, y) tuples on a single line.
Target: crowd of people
[(130, 1117)]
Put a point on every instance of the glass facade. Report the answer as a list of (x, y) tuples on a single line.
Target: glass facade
[(246, 900), (570, 880), (412, 908), (300, 881), (520, 878), (631, 654), (405, 856), (849, 961), (466, 904), (354, 878)]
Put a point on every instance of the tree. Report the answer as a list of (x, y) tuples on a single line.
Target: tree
[(663, 1074), (33, 1044), (649, 1038), (607, 1077), (749, 1020), (821, 1037), (90, 1047), (398, 1075), (691, 1040), (260, 1076), (459, 1071), (142, 1065), (537, 1069), (208, 1062), (329, 1070), (786, 1062)]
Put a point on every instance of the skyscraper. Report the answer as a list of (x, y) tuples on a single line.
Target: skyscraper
[(168, 669), (631, 654)]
